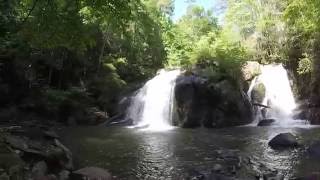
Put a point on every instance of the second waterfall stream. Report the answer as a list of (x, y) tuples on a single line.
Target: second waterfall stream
[(152, 106), (273, 85)]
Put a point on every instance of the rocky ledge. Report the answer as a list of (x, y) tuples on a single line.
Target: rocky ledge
[(37, 153), (201, 102)]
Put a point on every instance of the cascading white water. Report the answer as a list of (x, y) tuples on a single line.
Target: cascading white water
[(278, 95), (253, 83), (153, 104)]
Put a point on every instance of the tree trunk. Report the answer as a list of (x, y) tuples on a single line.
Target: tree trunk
[(101, 53), (50, 76)]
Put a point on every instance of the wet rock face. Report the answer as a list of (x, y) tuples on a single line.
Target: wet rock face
[(313, 115), (258, 93), (203, 103), (250, 70), (309, 109), (283, 141)]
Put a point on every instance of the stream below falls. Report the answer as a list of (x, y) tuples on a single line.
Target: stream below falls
[(140, 154)]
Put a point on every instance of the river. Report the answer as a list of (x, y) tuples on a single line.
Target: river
[(139, 154)]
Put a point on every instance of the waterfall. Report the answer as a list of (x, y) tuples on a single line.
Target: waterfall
[(277, 100), (152, 106), (278, 94), (253, 82)]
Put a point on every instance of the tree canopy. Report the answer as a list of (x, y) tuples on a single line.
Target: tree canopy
[(101, 47)]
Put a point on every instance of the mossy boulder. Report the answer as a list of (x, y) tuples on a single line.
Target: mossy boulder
[(250, 70), (8, 158), (201, 102), (258, 93)]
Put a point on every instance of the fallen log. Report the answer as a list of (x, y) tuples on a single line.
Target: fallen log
[(261, 105)]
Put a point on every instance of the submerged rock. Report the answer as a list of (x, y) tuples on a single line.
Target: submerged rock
[(91, 173), (217, 168), (283, 140), (215, 176), (51, 134), (194, 175), (312, 176), (39, 170), (4, 176), (266, 122), (273, 176), (64, 175)]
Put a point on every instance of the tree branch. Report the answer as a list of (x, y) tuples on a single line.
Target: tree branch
[(30, 11)]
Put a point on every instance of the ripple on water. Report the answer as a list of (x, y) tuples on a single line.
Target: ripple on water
[(134, 154)]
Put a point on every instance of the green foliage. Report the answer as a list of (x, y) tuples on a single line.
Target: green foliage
[(60, 104), (303, 15), (190, 30), (305, 65), (106, 87), (101, 46), (260, 26), (96, 46), (197, 40)]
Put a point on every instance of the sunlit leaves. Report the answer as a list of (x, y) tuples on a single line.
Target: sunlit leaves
[(261, 27), (305, 64), (304, 15)]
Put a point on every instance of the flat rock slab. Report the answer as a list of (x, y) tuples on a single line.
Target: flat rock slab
[(92, 173)]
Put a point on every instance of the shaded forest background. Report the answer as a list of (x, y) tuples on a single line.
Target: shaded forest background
[(60, 58)]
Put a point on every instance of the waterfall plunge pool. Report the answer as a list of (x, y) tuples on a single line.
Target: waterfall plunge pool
[(136, 154), (151, 151)]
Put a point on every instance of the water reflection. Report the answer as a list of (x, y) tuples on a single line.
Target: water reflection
[(135, 154)]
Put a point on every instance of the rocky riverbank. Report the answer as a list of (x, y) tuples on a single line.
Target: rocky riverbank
[(35, 152)]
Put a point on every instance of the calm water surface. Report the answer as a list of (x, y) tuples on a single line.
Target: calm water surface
[(137, 154)]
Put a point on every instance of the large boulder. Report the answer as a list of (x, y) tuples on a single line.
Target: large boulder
[(200, 102), (250, 70), (8, 158), (39, 170), (258, 93), (283, 141)]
